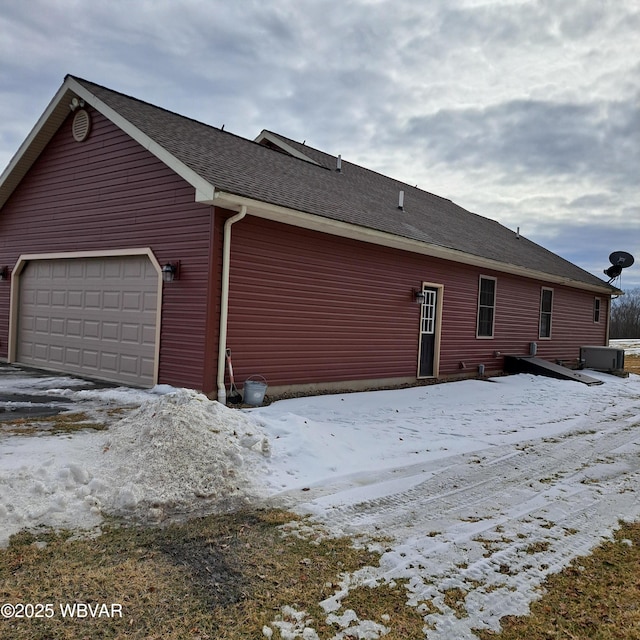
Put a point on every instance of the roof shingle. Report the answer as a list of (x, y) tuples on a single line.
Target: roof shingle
[(355, 195)]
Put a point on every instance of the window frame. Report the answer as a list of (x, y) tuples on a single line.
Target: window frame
[(481, 307), (597, 310), (545, 314)]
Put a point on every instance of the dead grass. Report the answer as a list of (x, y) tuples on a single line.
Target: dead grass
[(454, 599), (597, 597), (226, 577), (60, 423), (632, 363), (222, 577)]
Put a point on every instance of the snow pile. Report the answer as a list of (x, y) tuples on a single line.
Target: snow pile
[(177, 453), (49, 480), (182, 453), (482, 486)]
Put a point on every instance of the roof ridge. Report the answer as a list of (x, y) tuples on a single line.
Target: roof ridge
[(356, 196), (84, 81)]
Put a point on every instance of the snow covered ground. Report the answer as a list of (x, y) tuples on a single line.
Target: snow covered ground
[(484, 486)]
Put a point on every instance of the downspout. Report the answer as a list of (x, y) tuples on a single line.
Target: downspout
[(224, 301)]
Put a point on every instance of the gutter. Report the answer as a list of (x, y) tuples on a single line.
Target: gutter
[(314, 222), (224, 301)]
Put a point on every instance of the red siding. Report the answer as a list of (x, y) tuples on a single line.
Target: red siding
[(110, 193), (306, 307)]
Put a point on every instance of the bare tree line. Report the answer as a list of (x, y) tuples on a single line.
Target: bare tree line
[(625, 316)]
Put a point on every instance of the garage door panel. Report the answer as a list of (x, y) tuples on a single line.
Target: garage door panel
[(93, 300), (131, 333), (93, 269), (111, 300), (56, 354), (26, 349), (74, 299), (59, 298), (109, 361), (135, 271), (74, 328), (91, 329), (150, 302), (72, 356), (90, 359), (148, 334), (56, 270), (91, 316), (57, 326), (41, 351), (42, 325), (44, 269), (129, 364), (132, 301), (110, 330)]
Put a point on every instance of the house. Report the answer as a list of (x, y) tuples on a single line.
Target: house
[(307, 266)]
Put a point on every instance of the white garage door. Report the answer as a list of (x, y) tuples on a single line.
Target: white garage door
[(90, 316)]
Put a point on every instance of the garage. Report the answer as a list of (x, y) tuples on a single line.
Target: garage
[(91, 316)]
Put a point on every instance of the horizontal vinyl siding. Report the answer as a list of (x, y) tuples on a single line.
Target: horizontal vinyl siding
[(306, 307), (572, 325), (110, 193)]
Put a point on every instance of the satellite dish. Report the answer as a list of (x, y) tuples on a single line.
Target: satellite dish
[(619, 260)]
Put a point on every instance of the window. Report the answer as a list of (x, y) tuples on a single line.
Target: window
[(486, 307), (546, 306), (596, 309)]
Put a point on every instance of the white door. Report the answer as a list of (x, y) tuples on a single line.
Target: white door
[(90, 316)]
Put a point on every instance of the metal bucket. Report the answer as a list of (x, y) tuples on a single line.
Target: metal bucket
[(254, 391)]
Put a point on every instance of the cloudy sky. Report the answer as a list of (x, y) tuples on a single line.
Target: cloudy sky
[(524, 111)]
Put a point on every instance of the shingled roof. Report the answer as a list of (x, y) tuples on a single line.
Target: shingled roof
[(305, 180)]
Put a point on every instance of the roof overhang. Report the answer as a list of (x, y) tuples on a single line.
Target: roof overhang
[(59, 108), (313, 222), (53, 117)]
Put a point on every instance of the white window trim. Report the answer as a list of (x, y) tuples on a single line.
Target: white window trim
[(540, 336), (495, 298), (597, 307)]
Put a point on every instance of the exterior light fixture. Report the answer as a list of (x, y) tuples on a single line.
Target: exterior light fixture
[(170, 271), (4, 273), (419, 296)]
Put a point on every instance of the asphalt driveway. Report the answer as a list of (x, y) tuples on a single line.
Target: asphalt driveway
[(26, 392)]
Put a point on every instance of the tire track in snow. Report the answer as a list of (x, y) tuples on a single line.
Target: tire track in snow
[(494, 524)]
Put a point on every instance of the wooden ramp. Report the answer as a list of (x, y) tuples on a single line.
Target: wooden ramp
[(538, 366)]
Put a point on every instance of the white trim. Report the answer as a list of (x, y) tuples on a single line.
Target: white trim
[(597, 307), (346, 230), (205, 192), (52, 118), (24, 259), (203, 187), (40, 125), (482, 277), (540, 336), (438, 330)]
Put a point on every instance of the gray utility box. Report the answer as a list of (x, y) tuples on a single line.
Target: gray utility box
[(602, 358)]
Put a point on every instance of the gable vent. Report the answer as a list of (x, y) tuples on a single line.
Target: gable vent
[(81, 125)]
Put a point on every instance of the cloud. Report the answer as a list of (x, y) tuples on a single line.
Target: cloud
[(538, 137), (526, 112)]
